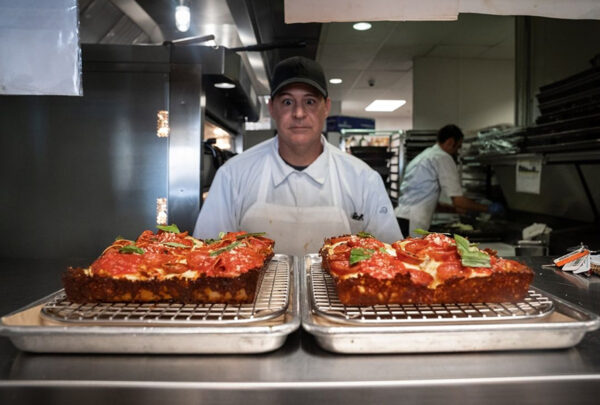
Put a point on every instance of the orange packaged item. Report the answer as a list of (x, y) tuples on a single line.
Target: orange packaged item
[(571, 256)]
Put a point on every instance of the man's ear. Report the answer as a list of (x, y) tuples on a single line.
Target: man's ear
[(328, 105), (448, 143), (270, 105)]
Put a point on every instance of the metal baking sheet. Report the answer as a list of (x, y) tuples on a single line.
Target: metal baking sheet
[(271, 301), (30, 332), (563, 328)]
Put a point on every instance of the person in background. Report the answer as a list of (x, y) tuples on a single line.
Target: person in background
[(432, 171), (297, 187)]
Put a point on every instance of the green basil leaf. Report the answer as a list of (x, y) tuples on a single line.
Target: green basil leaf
[(221, 234), (226, 248), (382, 250), (169, 228), (421, 231), (131, 249), (119, 237), (175, 244), (246, 235), (470, 255), (363, 234), (360, 254)]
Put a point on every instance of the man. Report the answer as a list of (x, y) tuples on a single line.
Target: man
[(297, 187), (432, 171)]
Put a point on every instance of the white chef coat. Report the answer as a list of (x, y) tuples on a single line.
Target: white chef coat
[(297, 230), (429, 173), (334, 179)]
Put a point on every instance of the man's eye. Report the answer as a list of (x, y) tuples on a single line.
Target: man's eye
[(286, 102), (311, 101)]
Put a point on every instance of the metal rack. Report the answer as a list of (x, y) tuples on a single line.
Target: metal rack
[(271, 301), (326, 303), (396, 157)]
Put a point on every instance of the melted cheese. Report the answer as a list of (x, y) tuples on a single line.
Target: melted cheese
[(187, 274), (430, 267)]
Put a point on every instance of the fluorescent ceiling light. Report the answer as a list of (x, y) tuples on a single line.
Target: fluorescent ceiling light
[(225, 85), (182, 18), (335, 80), (362, 26), (385, 105)]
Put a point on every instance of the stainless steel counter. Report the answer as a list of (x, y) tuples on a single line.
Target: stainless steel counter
[(300, 372)]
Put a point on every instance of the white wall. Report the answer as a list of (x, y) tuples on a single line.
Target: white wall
[(471, 93), (393, 124)]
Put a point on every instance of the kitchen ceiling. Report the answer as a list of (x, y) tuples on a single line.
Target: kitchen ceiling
[(377, 63)]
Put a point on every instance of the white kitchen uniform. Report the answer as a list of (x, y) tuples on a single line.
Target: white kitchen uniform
[(297, 230), (431, 172), (337, 194)]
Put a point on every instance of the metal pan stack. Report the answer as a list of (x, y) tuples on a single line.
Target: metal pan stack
[(570, 115), (417, 141)]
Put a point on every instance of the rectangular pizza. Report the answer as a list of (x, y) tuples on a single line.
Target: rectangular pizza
[(429, 270), (173, 266)]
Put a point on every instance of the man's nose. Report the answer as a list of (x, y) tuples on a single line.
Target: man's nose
[(299, 110)]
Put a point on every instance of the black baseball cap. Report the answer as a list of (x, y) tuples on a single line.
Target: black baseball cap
[(298, 69)]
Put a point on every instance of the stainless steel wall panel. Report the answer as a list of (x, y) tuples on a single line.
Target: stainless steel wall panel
[(561, 192), (77, 170), (186, 118)]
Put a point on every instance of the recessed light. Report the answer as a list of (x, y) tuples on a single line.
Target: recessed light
[(362, 26), (335, 80), (225, 85), (385, 105)]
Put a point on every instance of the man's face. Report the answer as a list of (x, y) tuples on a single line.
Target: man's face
[(455, 147), (299, 111)]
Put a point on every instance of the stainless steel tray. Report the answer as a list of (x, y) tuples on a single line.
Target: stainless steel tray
[(29, 331), (563, 327)]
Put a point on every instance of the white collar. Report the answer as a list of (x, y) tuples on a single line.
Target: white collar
[(317, 170)]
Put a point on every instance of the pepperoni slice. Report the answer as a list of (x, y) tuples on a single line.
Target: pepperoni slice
[(340, 267), (153, 260), (381, 265), (117, 264), (243, 260), (415, 246), (340, 252), (419, 277), (443, 255), (201, 260), (407, 257), (450, 270)]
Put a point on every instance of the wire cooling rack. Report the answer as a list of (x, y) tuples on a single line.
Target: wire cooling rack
[(272, 300), (325, 302)]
